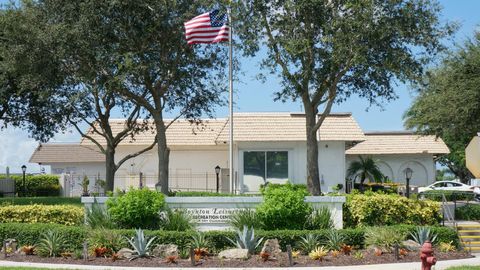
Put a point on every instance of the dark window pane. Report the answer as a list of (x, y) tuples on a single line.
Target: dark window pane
[(254, 164), (277, 165)]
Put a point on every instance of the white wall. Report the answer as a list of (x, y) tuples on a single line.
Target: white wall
[(331, 158), (393, 166)]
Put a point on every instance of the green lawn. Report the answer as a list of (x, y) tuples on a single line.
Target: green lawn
[(464, 268), (40, 200)]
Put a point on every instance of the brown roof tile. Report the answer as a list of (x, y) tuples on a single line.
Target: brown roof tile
[(398, 143), (65, 153)]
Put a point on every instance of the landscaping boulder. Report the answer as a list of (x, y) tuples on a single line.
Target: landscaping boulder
[(272, 247), (236, 253), (125, 253), (411, 245), (163, 251)]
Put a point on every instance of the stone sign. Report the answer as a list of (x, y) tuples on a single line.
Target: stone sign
[(211, 215)]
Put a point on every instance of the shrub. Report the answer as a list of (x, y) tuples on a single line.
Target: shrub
[(308, 243), (60, 214), (468, 212), (98, 217), (176, 220), (436, 195), (51, 244), (41, 200), (109, 239), (28, 234), (384, 210), (137, 208), (335, 240), (36, 185), (383, 237), (284, 207), (245, 217), (319, 219)]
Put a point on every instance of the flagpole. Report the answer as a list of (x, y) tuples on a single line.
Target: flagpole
[(230, 75)]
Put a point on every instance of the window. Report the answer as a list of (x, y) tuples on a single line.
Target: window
[(260, 167)]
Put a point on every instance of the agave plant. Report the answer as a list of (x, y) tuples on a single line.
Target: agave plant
[(246, 239), (141, 245), (334, 240), (308, 243), (423, 234), (199, 241)]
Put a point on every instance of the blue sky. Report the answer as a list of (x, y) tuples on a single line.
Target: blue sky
[(253, 96)]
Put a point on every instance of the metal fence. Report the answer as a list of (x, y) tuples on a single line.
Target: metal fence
[(7, 187), (177, 182), (72, 183)]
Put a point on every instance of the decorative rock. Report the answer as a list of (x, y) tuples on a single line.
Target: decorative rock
[(272, 247), (125, 253), (163, 251), (411, 245), (236, 253)]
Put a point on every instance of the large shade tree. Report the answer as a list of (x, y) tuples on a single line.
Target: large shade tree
[(448, 104), (28, 85), (324, 51), (143, 43)]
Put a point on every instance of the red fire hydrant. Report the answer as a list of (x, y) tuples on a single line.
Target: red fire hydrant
[(426, 255)]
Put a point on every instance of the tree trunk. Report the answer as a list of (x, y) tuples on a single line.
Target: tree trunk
[(110, 168), (163, 154), (313, 177)]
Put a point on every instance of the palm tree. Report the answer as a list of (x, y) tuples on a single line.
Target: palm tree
[(365, 168)]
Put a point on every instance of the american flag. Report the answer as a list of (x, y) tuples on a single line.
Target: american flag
[(210, 27)]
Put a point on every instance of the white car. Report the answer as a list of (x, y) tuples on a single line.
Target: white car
[(448, 185)]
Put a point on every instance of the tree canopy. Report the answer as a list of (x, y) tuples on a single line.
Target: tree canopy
[(448, 104), (326, 51)]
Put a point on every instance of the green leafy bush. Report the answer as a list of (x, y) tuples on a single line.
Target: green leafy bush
[(138, 208), (468, 212), (36, 185), (436, 195), (375, 209), (40, 200), (60, 214), (284, 207)]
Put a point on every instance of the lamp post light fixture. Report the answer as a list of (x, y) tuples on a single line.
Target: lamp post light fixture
[(408, 176), (158, 187), (24, 190), (217, 172)]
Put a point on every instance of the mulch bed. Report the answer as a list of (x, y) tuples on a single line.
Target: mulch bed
[(254, 261)]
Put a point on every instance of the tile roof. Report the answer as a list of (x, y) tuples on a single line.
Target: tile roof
[(247, 127), (398, 143), (65, 153)]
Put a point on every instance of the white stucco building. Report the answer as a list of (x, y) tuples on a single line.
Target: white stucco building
[(267, 147)]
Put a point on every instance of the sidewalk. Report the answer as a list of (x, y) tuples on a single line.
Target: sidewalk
[(396, 266)]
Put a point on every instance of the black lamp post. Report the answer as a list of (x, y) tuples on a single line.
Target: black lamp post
[(408, 176), (24, 169), (217, 172)]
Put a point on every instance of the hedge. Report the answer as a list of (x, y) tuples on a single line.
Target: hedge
[(468, 212), (58, 214), (76, 235), (41, 200), (374, 209), (436, 195), (36, 185)]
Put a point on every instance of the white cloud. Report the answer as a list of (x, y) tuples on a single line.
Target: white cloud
[(16, 148)]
